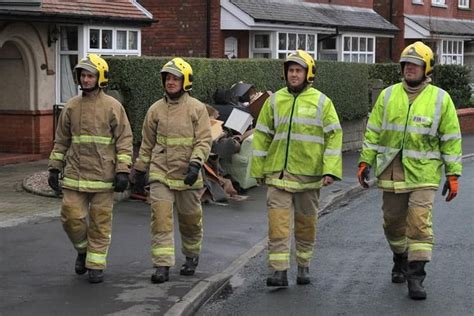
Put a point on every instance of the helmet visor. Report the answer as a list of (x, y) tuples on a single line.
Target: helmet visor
[(413, 60), (172, 71), (88, 68)]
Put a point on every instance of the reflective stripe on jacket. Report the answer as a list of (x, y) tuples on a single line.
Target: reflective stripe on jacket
[(426, 133), (299, 134), (174, 134), (93, 142)]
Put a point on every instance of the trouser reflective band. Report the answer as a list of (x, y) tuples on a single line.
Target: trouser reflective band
[(192, 247), (305, 255), (420, 247), (279, 256), (81, 246), (162, 251), (398, 246), (97, 258)]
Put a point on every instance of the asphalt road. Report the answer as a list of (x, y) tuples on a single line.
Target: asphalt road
[(351, 269)]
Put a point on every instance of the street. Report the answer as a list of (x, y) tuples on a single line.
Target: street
[(351, 269)]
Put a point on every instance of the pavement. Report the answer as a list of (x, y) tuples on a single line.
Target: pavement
[(246, 236)]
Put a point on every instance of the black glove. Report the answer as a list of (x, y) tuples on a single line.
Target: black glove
[(140, 182), (120, 182), (192, 173), (53, 180)]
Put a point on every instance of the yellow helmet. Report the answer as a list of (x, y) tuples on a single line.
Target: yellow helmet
[(95, 64), (420, 54), (180, 68), (305, 60)]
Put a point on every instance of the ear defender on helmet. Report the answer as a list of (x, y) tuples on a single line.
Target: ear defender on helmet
[(420, 54), (180, 68), (303, 59), (95, 64)]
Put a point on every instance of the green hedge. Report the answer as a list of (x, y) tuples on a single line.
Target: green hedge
[(139, 81), (452, 78)]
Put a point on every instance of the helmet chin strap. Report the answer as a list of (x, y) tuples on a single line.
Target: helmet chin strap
[(88, 90)]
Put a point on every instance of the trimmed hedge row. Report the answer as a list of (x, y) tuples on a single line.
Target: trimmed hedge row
[(139, 81), (452, 78)]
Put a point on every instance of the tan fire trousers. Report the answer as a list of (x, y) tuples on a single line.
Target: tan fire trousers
[(281, 205), (92, 237), (408, 223), (189, 211)]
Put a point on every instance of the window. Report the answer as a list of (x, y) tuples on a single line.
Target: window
[(289, 42), (438, 2), (463, 4), (328, 49), (231, 47), (68, 58), (417, 2), (452, 52), (261, 47), (358, 49), (113, 41)]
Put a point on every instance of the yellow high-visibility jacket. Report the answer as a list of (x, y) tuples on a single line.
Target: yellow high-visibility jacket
[(425, 133), (93, 142), (175, 132), (300, 134)]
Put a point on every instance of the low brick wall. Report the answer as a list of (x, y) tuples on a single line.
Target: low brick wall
[(466, 120), (353, 134)]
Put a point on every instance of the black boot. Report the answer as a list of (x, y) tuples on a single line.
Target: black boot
[(415, 276), (279, 278), (189, 266), (399, 269), (96, 276), (80, 265), (303, 276), (161, 275)]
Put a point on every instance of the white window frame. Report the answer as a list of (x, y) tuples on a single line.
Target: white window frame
[(84, 49), (464, 4), (329, 52), (357, 53), (266, 50), (114, 51), (287, 50), (439, 3), (419, 2), (451, 52)]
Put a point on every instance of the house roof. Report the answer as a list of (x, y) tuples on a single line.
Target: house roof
[(302, 13), (444, 26), (116, 10)]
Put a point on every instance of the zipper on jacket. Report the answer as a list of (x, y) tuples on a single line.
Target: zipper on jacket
[(405, 129), (288, 137)]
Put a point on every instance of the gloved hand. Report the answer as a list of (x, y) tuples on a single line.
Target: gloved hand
[(192, 173), (120, 182), (452, 185), (53, 180), (363, 174), (140, 182)]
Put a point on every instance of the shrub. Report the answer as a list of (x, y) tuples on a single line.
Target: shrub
[(139, 81)]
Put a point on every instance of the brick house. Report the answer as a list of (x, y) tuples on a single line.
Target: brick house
[(446, 25), (344, 30), (40, 42)]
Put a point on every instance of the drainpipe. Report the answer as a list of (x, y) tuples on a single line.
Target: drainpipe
[(208, 28), (390, 40)]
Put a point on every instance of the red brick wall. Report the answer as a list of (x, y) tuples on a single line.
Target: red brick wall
[(451, 11), (354, 3), (466, 119), (390, 49), (182, 29), (26, 132)]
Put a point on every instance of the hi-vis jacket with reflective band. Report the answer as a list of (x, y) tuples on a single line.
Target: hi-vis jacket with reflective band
[(174, 134), (426, 133), (93, 142), (299, 134)]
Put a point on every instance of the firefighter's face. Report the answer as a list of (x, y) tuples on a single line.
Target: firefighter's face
[(88, 79), (173, 84), (296, 75), (413, 72)]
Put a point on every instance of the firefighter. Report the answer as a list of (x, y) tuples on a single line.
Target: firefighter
[(296, 149), (412, 133), (176, 141), (93, 151)]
